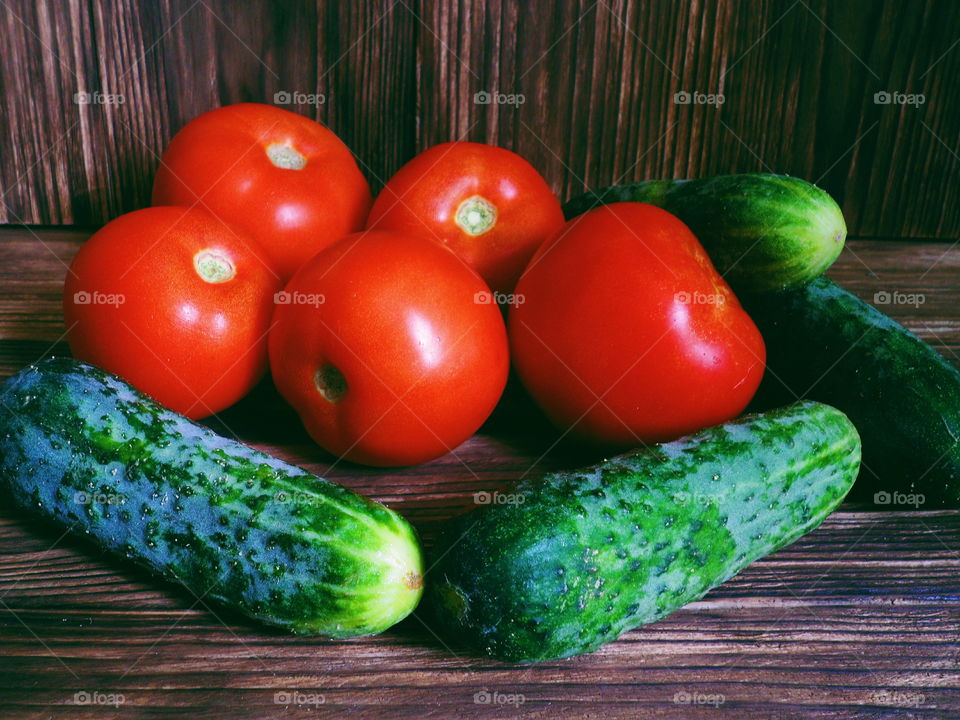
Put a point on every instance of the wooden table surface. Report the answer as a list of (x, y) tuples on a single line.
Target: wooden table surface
[(860, 619)]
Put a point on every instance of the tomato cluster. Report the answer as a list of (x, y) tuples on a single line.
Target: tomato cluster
[(381, 322)]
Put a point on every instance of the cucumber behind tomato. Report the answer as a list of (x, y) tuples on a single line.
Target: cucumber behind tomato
[(85, 449), (762, 231), (576, 558), (826, 344)]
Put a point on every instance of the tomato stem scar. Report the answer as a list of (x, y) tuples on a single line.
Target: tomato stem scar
[(330, 383), (286, 157), (214, 267), (476, 215)]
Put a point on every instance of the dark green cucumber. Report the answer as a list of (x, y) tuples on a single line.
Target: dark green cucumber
[(579, 557), (761, 231), (826, 344), (85, 449)]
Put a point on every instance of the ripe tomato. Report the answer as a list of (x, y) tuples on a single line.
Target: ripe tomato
[(283, 179), (625, 333), (489, 205), (174, 302), (386, 347)]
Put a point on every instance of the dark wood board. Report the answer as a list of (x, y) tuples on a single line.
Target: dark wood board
[(860, 619), (598, 79)]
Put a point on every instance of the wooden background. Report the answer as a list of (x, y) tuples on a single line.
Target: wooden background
[(598, 79), (858, 620)]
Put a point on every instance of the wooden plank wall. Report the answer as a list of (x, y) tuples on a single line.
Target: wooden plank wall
[(597, 78)]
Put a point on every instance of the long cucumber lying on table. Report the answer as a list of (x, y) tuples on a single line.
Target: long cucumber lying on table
[(577, 558), (90, 452), (826, 344)]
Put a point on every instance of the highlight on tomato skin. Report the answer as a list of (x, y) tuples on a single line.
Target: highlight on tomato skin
[(389, 348), (486, 203), (627, 334), (282, 179), (176, 303)]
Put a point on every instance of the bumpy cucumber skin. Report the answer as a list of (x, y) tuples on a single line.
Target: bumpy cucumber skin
[(762, 231), (230, 523), (826, 344), (590, 554)]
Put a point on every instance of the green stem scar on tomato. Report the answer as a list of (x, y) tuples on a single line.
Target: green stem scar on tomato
[(283, 180), (487, 204), (476, 215), (174, 302), (286, 157), (214, 267)]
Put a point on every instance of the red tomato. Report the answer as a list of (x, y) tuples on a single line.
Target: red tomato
[(487, 204), (174, 302), (283, 179), (386, 347), (624, 332)]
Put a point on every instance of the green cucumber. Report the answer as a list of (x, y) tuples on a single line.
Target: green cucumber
[(826, 344), (761, 231), (85, 449), (570, 561)]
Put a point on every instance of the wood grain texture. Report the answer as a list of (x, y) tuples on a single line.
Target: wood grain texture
[(169, 61), (860, 619), (597, 77)]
